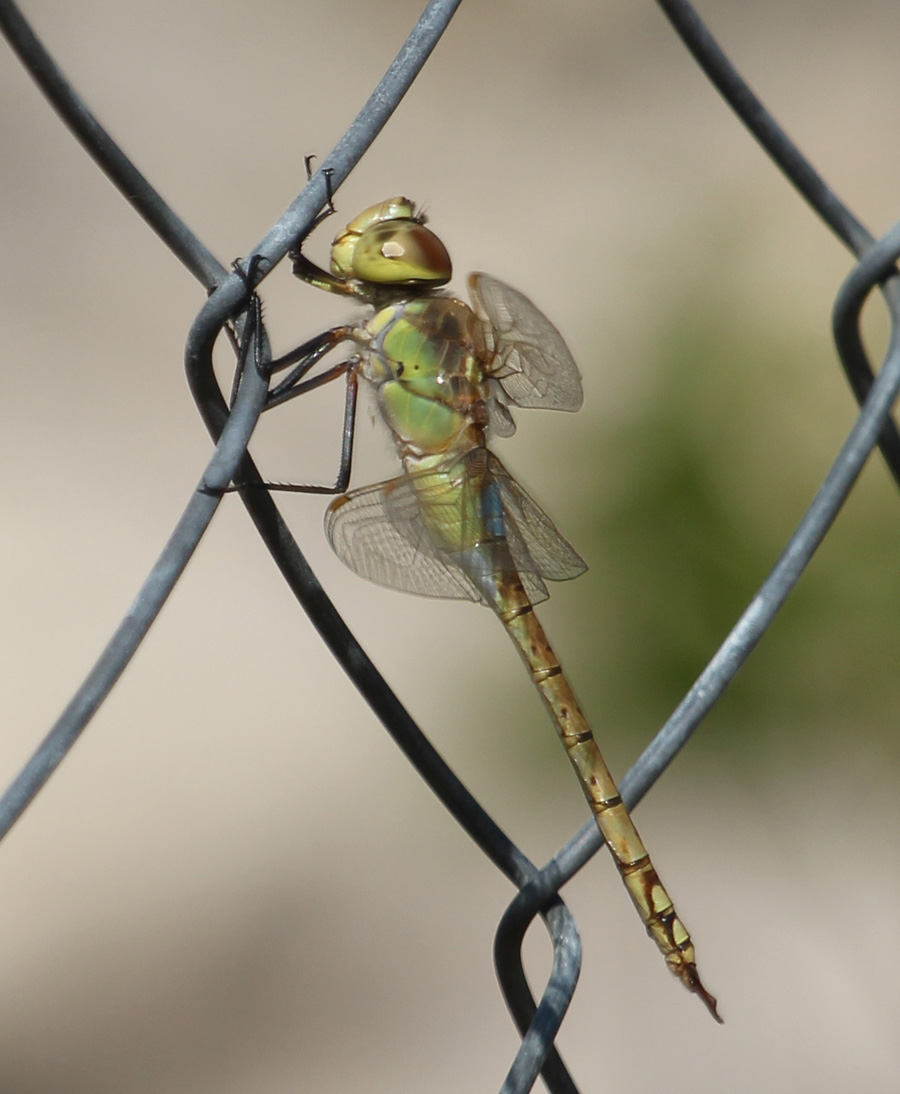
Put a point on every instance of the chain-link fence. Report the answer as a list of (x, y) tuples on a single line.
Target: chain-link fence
[(538, 888)]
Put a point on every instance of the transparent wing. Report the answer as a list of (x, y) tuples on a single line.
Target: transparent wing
[(500, 421), (381, 533), (536, 544), (531, 360)]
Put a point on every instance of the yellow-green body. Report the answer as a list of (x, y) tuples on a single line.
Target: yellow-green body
[(421, 355), (425, 358)]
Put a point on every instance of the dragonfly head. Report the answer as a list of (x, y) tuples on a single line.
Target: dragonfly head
[(388, 245)]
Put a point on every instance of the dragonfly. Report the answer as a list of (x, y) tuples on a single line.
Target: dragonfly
[(455, 524)]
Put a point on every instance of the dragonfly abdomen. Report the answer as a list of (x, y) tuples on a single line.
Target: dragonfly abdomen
[(647, 892)]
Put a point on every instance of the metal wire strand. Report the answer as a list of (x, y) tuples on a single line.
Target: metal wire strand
[(797, 169), (103, 149), (538, 1052), (153, 594), (757, 617), (538, 889), (233, 432), (872, 426), (264, 512), (539, 1023)]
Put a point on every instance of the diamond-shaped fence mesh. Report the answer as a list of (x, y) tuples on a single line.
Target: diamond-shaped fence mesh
[(539, 885)]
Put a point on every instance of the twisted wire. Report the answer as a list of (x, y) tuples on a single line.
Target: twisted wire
[(538, 889)]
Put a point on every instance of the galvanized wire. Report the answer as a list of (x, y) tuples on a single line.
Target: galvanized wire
[(538, 889), (873, 426), (230, 291)]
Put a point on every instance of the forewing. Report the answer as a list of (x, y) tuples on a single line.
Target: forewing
[(536, 544), (531, 360), (379, 533)]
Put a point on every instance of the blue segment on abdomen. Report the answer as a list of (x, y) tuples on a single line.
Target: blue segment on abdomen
[(492, 511)]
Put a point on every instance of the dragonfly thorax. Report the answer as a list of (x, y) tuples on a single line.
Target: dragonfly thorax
[(424, 357)]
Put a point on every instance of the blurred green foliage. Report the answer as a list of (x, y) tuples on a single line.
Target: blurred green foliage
[(711, 474)]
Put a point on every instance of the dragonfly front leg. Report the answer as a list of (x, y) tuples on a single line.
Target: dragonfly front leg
[(312, 274)]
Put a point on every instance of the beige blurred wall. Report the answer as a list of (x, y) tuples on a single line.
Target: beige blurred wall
[(235, 882)]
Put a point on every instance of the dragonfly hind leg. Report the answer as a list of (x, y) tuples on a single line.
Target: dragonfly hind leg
[(347, 368)]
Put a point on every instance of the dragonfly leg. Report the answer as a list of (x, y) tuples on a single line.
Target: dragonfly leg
[(347, 368), (312, 274), (305, 269), (253, 333), (304, 357), (327, 174), (252, 337)]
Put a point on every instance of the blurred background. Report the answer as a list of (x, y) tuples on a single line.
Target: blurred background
[(236, 882)]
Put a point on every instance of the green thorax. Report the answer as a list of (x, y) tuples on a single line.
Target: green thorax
[(425, 358)]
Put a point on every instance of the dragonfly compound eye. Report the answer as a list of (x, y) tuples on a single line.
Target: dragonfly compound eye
[(400, 252)]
